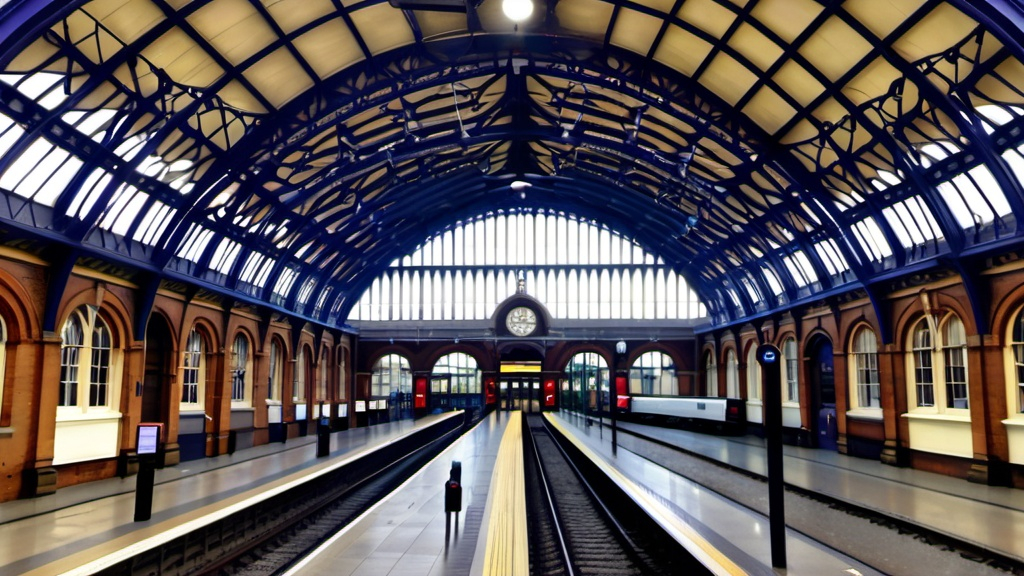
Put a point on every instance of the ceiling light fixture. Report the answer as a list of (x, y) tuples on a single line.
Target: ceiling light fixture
[(517, 10)]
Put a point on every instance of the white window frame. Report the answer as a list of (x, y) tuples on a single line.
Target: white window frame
[(241, 366), (1014, 356), (865, 389), (89, 320), (193, 371), (732, 374), (390, 373), (941, 350), (790, 372), (299, 378), (463, 371), (661, 370), (3, 360), (753, 376), (275, 373), (711, 374)]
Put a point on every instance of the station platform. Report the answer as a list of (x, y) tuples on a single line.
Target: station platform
[(81, 528), (988, 517), (408, 533)]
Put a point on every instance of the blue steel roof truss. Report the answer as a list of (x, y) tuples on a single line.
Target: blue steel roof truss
[(331, 186)]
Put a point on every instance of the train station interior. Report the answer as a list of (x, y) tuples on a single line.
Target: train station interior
[(246, 223)]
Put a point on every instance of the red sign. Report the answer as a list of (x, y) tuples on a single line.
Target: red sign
[(621, 393), (420, 393), (549, 393), (490, 392)]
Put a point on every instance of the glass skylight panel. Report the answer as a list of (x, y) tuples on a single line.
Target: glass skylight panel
[(872, 239), (752, 293), (772, 279), (912, 222), (255, 263), (321, 299), (46, 88), (285, 281), (225, 255), (306, 290), (9, 134), (154, 223), (89, 192), (195, 243), (969, 205), (123, 209), (830, 255), (800, 269), (41, 172), (93, 124)]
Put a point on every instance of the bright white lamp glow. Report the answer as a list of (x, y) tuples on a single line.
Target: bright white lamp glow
[(517, 10)]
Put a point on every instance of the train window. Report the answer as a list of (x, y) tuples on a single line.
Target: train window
[(653, 373), (865, 392)]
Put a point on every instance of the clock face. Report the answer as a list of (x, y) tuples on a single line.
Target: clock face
[(521, 321)]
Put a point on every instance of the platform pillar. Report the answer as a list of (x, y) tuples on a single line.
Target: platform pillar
[(769, 357)]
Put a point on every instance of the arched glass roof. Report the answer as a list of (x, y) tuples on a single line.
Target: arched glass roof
[(771, 151)]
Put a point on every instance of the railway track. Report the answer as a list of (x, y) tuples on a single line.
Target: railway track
[(582, 525)]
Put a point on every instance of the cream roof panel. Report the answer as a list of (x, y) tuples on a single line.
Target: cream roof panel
[(787, 18), (78, 28), (588, 18), (126, 19), (933, 33), (278, 77), (233, 28), (830, 111), (872, 82), (835, 48), (182, 59), (998, 86), (292, 14), (382, 28), (727, 78), (235, 95), (769, 110), (440, 23), (798, 83), (681, 50), (803, 130), (882, 16), (708, 15), (635, 31), (663, 6), (329, 48), (755, 46)]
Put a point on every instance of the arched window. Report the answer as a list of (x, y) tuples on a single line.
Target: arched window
[(790, 372), (710, 375), (938, 366), (323, 373), (241, 373), (3, 358), (88, 418), (85, 362), (276, 376), (464, 376), (753, 376), (653, 373), (342, 374), (193, 372), (732, 375), (587, 375), (300, 377), (1016, 398), (866, 390), (390, 374)]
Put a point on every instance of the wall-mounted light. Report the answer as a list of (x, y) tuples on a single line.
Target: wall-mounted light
[(620, 347), (517, 10)]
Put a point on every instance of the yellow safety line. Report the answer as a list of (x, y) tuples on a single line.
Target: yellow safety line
[(710, 556), (508, 550)]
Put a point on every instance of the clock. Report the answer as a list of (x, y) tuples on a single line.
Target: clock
[(521, 321)]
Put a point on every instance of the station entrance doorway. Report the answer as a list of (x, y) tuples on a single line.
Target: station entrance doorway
[(520, 392)]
